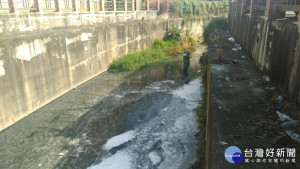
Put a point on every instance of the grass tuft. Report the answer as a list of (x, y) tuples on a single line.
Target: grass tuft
[(161, 50), (135, 60)]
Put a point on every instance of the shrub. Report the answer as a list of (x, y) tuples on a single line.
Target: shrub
[(159, 44), (174, 50), (189, 44), (171, 43), (173, 34), (215, 23)]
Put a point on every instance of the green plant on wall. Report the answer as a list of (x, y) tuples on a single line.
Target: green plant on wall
[(194, 8), (173, 34)]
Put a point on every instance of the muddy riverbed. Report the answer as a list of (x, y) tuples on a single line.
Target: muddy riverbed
[(140, 119)]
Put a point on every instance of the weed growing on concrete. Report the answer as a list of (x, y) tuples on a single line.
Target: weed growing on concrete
[(161, 50), (216, 39), (201, 113), (215, 23), (173, 34), (186, 44)]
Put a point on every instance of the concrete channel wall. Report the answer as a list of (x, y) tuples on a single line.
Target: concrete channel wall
[(275, 47), (43, 57)]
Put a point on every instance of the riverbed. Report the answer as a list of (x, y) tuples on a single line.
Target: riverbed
[(138, 119)]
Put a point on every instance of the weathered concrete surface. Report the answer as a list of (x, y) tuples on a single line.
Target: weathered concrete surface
[(38, 66), (240, 112), (20, 23), (275, 47)]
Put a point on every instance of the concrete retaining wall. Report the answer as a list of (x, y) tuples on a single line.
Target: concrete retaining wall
[(37, 65), (275, 47), (21, 23)]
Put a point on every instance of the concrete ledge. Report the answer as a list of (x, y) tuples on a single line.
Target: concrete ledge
[(21, 23)]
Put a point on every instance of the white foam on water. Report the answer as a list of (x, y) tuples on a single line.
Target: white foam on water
[(165, 109), (119, 140), (191, 105), (154, 158), (117, 96), (120, 160), (155, 86), (84, 135), (182, 122), (169, 81), (163, 142), (188, 90)]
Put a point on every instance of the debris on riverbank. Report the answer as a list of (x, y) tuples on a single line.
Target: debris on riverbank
[(244, 102)]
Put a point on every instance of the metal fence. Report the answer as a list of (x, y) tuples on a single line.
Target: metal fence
[(25, 4), (144, 5), (109, 5), (129, 5), (120, 5), (66, 5), (47, 6), (96, 5), (4, 4), (153, 6), (81, 5)]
